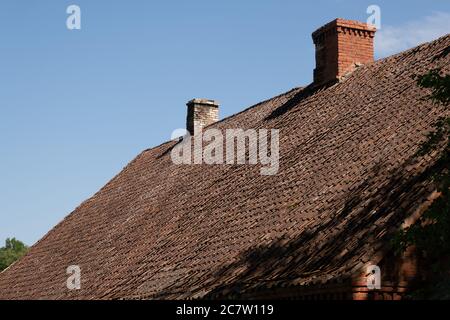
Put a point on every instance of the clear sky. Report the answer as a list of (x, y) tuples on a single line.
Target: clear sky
[(77, 105)]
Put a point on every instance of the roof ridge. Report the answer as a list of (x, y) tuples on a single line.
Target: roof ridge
[(232, 115)]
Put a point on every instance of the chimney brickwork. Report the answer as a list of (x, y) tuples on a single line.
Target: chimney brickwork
[(201, 113), (341, 46)]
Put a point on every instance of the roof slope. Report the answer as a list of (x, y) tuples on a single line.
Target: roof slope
[(346, 180)]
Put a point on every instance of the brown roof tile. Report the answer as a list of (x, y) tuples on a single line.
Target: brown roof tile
[(346, 180)]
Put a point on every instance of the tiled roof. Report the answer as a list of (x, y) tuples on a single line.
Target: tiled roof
[(347, 179)]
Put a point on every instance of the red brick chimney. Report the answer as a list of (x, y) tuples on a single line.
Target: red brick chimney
[(341, 46)]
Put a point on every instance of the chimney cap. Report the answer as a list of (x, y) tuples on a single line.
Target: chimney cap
[(207, 102), (344, 23)]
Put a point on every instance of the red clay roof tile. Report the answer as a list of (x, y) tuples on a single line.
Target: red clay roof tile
[(158, 230)]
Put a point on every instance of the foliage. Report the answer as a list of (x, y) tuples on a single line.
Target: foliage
[(439, 84), (431, 233), (440, 94), (12, 251)]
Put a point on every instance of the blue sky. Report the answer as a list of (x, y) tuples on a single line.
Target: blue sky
[(77, 106)]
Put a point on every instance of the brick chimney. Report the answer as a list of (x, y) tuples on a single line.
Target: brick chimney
[(341, 46), (201, 113)]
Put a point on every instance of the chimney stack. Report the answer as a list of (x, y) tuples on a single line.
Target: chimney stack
[(341, 46), (201, 113)]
